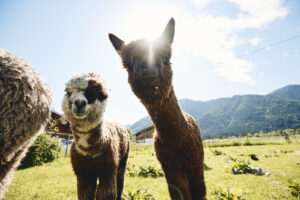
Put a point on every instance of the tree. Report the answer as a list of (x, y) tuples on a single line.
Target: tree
[(291, 132), (257, 135), (132, 136), (284, 134)]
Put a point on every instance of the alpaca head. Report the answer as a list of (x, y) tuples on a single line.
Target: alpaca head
[(85, 101), (148, 64)]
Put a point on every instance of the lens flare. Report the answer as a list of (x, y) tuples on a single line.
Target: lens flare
[(150, 54)]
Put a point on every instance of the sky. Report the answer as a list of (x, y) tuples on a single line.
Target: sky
[(221, 48)]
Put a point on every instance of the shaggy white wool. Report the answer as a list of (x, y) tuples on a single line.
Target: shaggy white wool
[(91, 120), (94, 111), (80, 82), (79, 96), (77, 86)]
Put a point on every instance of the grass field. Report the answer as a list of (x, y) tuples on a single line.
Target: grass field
[(56, 181)]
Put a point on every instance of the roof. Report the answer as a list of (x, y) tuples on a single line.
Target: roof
[(144, 130)]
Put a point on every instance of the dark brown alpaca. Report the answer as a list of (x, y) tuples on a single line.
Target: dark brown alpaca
[(100, 149), (178, 143)]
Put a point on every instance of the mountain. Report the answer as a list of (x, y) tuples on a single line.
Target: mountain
[(289, 92), (194, 108), (140, 124), (250, 113), (197, 108), (243, 113)]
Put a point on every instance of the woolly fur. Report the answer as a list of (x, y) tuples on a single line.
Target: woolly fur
[(100, 149), (76, 85), (25, 101), (177, 141)]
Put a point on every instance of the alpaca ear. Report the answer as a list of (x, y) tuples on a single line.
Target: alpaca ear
[(116, 42), (168, 34)]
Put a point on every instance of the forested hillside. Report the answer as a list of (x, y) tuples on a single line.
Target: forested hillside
[(241, 114)]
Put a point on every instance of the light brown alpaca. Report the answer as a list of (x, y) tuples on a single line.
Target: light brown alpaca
[(178, 143), (25, 105)]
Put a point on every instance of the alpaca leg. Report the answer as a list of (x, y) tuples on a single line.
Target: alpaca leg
[(120, 177), (197, 184), (86, 187), (7, 170), (177, 184), (107, 189), (6, 175)]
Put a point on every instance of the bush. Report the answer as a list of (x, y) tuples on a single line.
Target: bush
[(235, 143), (228, 194), (247, 143), (241, 167), (148, 171), (294, 188), (44, 149), (131, 135), (231, 159), (137, 195), (206, 167), (217, 152), (286, 151)]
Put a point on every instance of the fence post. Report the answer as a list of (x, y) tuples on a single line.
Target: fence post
[(67, 145)]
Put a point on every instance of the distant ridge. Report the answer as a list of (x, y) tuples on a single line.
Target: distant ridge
[(289, 92), (242, 113)]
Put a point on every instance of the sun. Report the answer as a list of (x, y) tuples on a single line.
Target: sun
[(146, 21)]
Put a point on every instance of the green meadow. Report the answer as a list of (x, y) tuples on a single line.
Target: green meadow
[(56, 180)]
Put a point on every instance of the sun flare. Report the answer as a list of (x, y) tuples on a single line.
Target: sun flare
[(147, 22)]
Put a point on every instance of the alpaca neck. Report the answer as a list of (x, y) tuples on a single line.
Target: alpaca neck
[(167, 117), (86, 125), (87, 143), (91, 128)]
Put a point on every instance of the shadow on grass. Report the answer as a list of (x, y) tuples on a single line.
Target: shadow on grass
[(246, 143), (207, 168)]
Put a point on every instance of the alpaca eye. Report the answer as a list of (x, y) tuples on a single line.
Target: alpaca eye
[(166, 61), (69, 93), (102, 96)]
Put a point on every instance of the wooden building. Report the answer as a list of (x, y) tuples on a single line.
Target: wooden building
[(145, 135), (59, 126)]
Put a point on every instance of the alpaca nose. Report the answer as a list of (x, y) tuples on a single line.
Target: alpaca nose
[(148, 71), (79, 103)]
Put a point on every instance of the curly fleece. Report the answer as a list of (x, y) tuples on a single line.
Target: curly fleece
[(25, 100)]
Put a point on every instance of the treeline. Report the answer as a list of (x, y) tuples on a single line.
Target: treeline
[(251, 113), (285, 133)]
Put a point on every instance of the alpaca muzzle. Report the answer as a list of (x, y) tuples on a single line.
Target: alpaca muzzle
[(80, 108), (149, 72)]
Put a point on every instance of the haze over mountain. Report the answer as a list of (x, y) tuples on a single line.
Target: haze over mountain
[(242, 113)]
